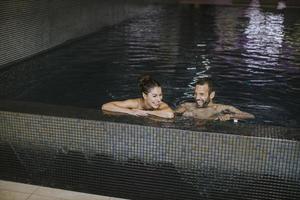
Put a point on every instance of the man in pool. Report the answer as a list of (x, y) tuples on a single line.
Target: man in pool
[(204, 108)]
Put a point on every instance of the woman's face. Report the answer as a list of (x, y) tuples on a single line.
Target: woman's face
[(154, 97)]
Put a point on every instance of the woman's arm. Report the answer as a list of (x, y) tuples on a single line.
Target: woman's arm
[(127, 106), (180, 109), (163, 111)]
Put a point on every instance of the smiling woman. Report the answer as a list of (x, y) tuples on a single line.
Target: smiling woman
[(150, 104)]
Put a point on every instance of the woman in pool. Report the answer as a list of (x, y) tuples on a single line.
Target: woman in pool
[(150, 104)]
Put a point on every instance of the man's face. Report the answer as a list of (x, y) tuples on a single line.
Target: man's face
[(202, 96)]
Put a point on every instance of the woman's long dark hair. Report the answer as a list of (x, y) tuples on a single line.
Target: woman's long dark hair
[(146, 83)]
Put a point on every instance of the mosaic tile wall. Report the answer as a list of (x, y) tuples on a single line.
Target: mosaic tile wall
[(30, 27), (142, 162)]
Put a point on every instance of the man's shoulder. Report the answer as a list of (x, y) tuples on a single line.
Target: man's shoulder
[(222, 107)]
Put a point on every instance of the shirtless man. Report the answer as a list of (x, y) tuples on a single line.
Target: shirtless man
[(204, 108)]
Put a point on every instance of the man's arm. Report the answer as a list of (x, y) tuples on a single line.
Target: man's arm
[(230, 112), (127, 106)]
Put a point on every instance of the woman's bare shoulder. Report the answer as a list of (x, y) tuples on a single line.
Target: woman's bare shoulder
[(164, 105), (134, 102), (128, 103)]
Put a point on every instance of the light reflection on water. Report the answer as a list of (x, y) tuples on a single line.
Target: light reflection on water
[(252, 53), (264, 37)]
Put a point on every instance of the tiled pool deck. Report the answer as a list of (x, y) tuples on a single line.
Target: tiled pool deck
[(19, 191)]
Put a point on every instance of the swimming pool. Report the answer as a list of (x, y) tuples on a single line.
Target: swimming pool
[(251, 53), (52, 132)]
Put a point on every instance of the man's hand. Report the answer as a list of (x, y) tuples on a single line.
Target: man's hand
[(224, 117)]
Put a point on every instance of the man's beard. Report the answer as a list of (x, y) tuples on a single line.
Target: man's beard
[(204, 104)]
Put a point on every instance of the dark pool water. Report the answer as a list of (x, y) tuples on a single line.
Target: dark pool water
[(252, 54)]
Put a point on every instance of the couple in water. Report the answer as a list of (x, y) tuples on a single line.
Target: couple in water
[(151, 103)]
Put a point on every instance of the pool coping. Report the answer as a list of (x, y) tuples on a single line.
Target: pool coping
[(181, 123)]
